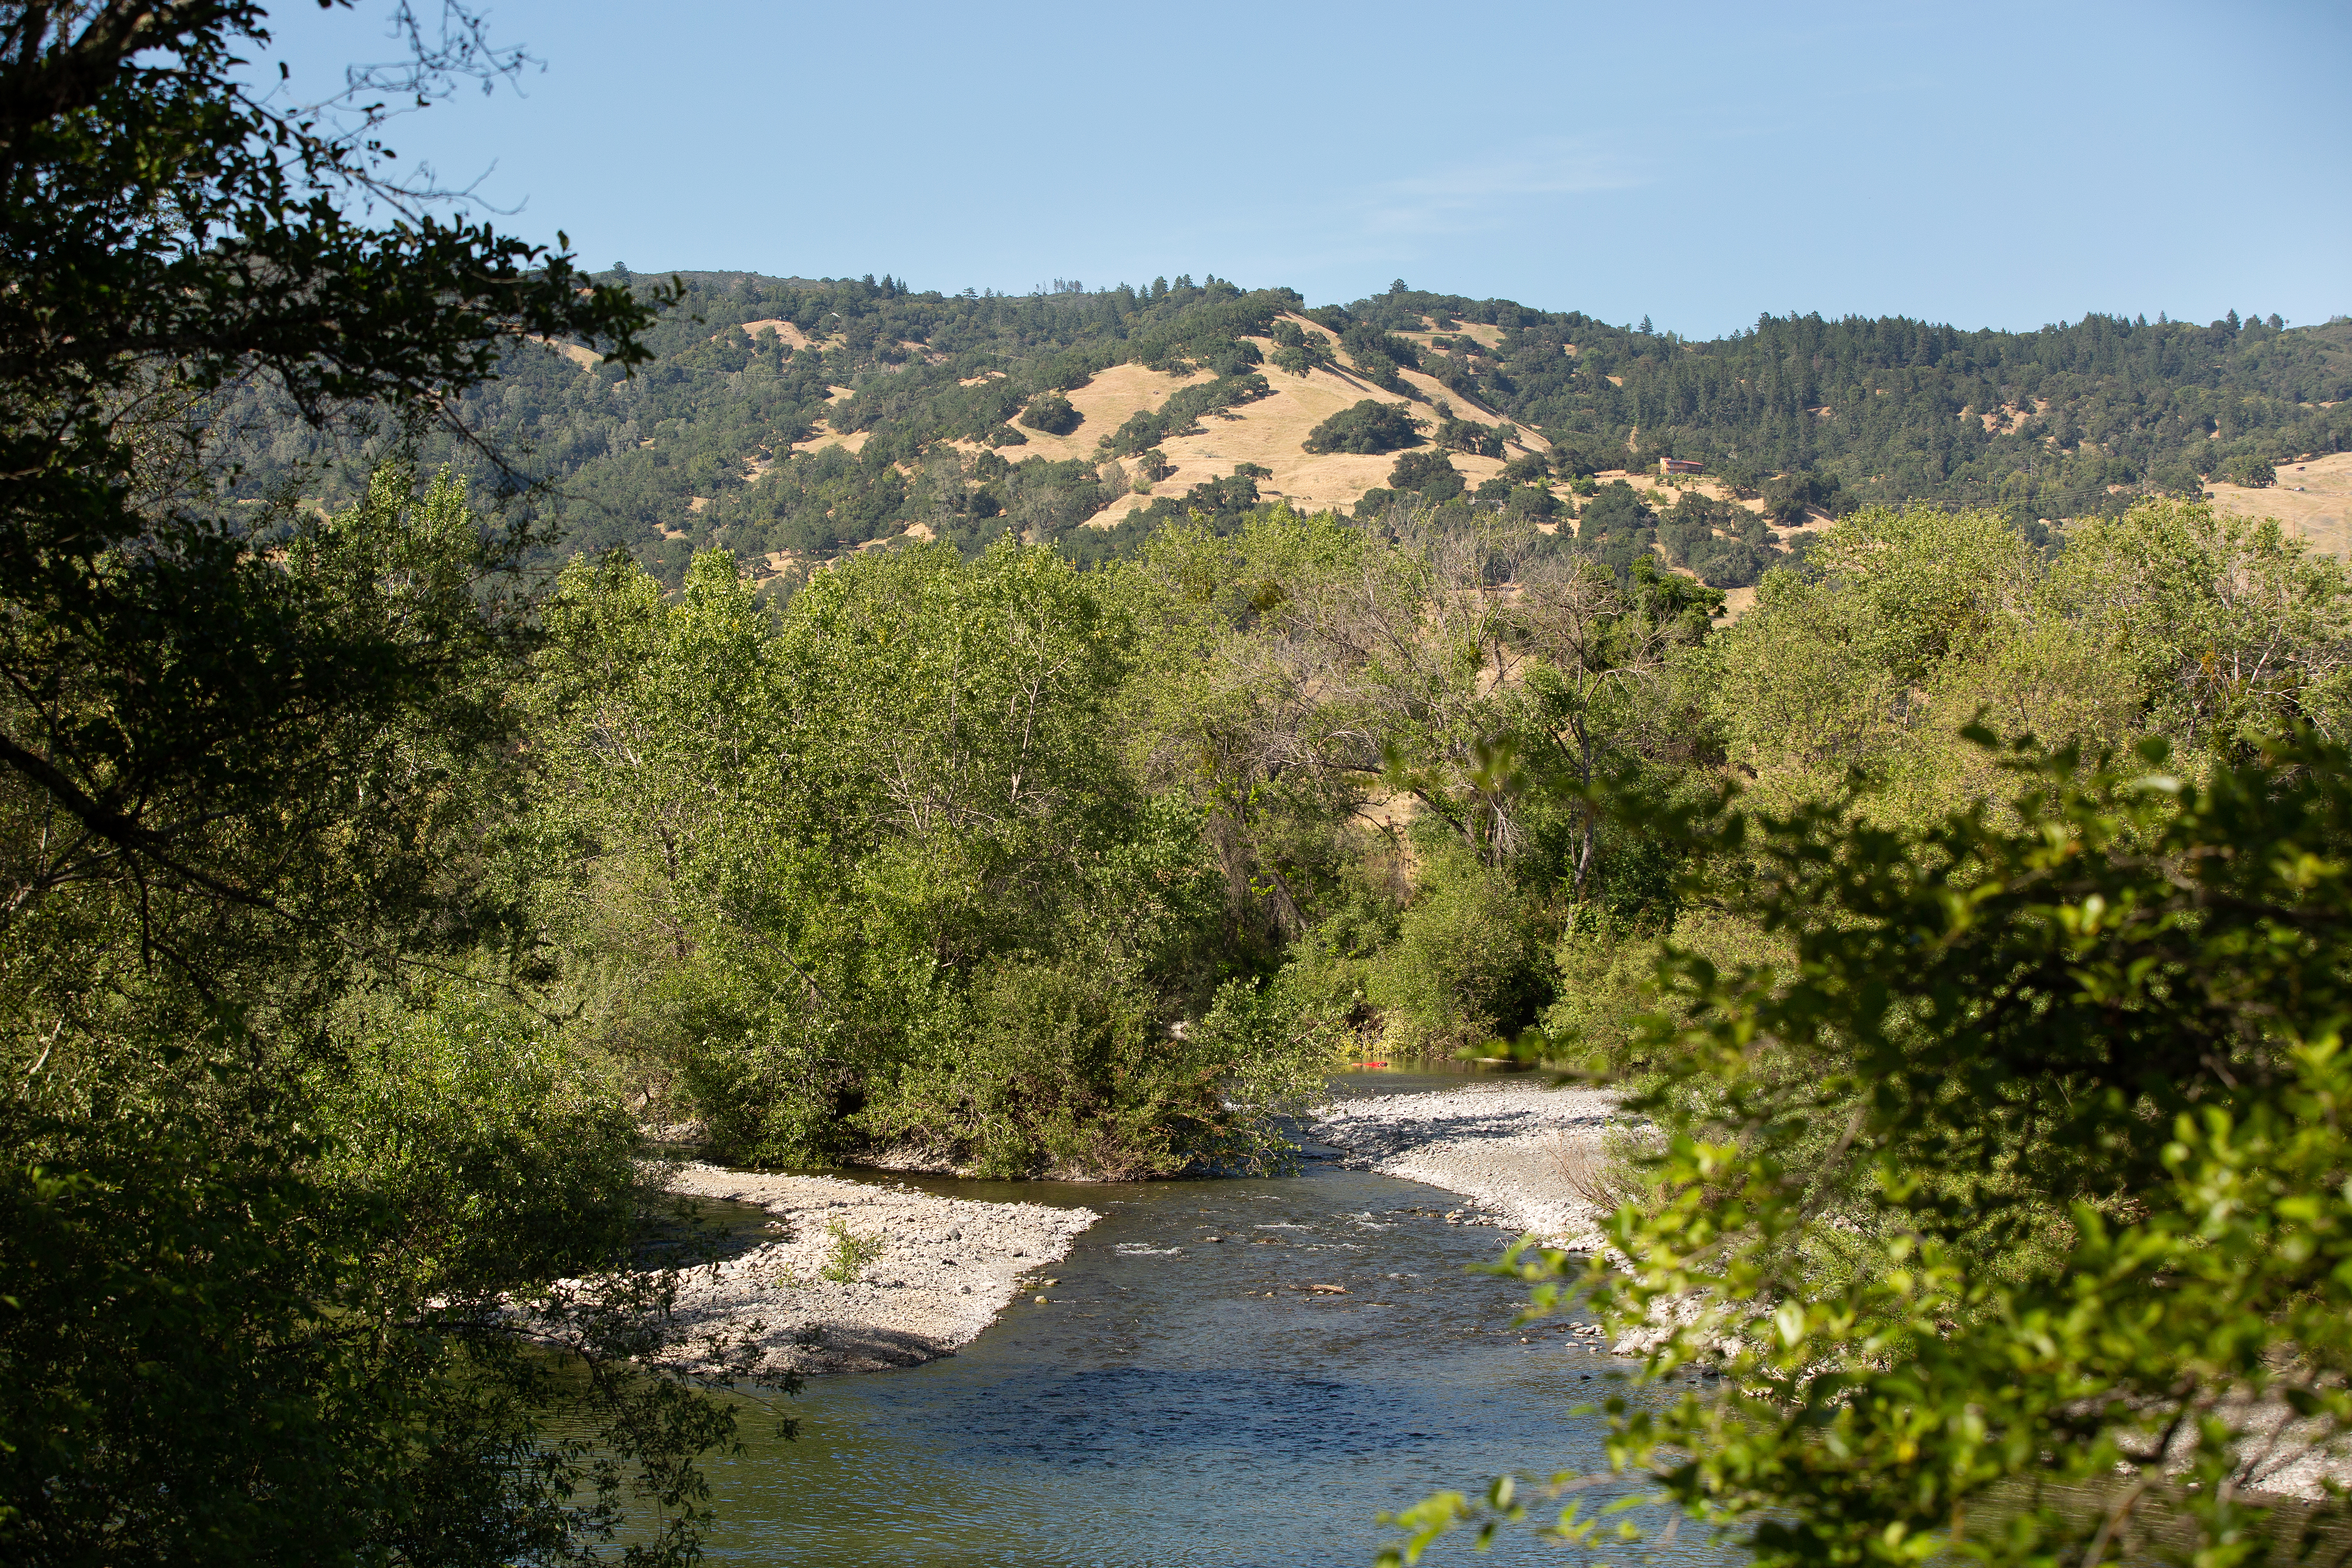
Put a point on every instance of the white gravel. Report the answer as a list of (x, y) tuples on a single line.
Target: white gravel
[(945, 1267), (1521, 1153)]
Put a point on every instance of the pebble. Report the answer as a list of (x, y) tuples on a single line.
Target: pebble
[(1506, 1146), (949, 1266)]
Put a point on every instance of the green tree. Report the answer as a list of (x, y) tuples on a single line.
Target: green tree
[(842, 878), (2027, 1236), (2250, 469), (2220, 629), (1927, 585), (2167, 620), (1051, 413), (246, 755), (1368, 426), (1377, 355), (1429, 473), (239, 1290)]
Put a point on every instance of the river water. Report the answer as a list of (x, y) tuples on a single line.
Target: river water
[(1182, 1400)]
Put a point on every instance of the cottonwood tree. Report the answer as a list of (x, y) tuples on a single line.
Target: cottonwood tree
[(1473, 670)]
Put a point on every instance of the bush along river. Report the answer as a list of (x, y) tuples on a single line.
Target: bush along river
[(1217, 1372)]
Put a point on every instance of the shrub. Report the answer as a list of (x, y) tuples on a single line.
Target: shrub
[(1060, 1067), (1370, 427), (1464, 965), (851, 1253), (496, 1156), (1605, 976)]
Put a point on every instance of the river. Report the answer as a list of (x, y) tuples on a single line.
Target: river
[(1177, 1400)]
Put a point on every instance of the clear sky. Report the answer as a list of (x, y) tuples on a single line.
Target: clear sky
[(1988, 164)]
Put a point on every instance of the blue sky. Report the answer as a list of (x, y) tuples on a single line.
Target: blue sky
[(1988, 164)]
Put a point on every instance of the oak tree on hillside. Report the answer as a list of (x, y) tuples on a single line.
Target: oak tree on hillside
[(1369, 427)]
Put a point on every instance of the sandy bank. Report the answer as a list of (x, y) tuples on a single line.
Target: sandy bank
[(1522, 1153), (944, 1269)]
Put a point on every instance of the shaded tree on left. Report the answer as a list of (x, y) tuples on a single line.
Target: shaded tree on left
[(266, 1108)]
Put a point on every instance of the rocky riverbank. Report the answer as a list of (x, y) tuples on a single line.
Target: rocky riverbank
[(932, 1272), (926, 1274), (1526, 1157)]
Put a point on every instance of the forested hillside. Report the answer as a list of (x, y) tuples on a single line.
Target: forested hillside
[(792, 419)]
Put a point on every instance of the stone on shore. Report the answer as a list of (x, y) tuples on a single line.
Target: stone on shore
[(945, 1267), (1526, 1156)]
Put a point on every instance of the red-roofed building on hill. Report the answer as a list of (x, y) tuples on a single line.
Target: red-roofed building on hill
[(1681, 466)]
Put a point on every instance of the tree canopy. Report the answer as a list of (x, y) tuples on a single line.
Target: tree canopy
[(245, 756), (1369, 426)]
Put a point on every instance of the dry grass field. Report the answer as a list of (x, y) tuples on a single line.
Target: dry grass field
[(823, 439), (1272, 431), (1107, 402), (1477, 330), (2312, 499), (580, 354), (784, 330)]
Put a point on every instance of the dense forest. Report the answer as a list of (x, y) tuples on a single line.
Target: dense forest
[(389, 842), (694, 447)]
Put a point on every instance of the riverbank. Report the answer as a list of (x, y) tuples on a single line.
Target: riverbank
[(1526, 1157), (930, 1272), (1522, 1156)]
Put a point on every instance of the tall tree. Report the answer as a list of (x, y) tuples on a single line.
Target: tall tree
[(244, 753)]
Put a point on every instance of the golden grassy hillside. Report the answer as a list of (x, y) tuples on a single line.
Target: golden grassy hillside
[(1106, 403), (2312, 498), (1272, 431)]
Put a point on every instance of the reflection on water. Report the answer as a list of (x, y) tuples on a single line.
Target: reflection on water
[(1184, 1401), (1405, 1075), (681, 1230)]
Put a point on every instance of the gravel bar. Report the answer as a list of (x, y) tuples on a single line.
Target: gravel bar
[(1522, 1153), (945, 1269)]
